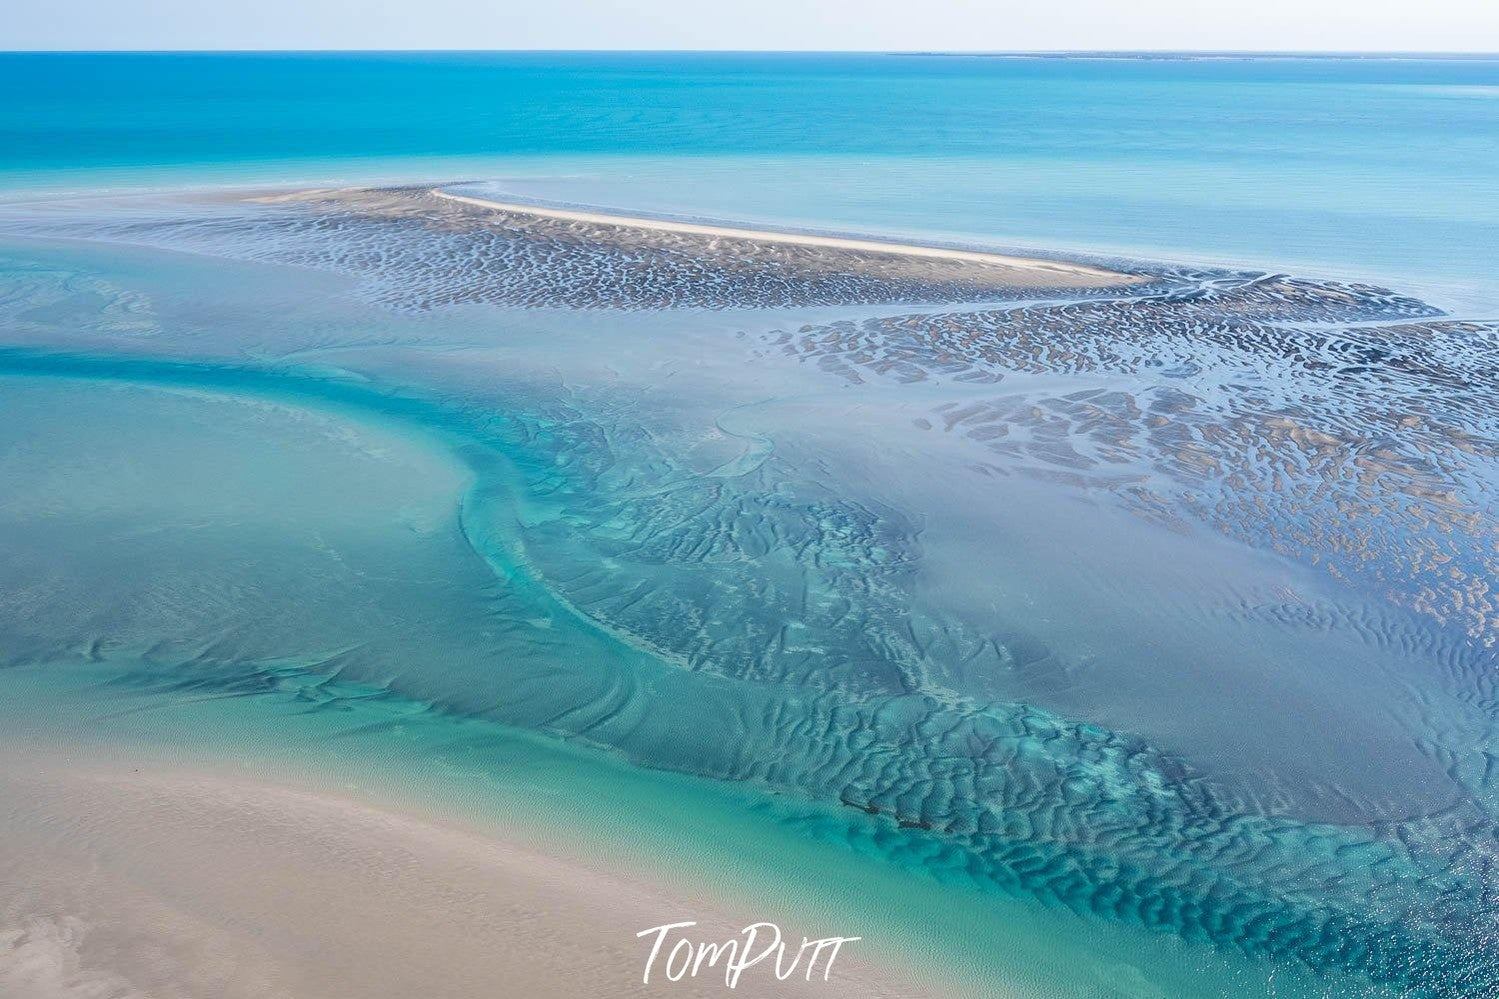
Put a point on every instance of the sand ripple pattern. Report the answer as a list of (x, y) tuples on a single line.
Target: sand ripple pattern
[(799, 599), (414, 251), (1341, 425), (768, 640), (1364, 446)]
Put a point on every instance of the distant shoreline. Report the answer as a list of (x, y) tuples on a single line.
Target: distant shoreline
[(1184, 55)]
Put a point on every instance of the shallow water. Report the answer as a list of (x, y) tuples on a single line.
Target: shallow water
[(1151, 626)]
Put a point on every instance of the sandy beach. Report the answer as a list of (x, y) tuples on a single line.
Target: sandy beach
[(142, 881)]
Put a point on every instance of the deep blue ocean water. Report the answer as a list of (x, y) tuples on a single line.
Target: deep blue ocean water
[(1150, 631)]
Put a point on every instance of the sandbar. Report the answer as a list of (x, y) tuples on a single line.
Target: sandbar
[(1048, 272)]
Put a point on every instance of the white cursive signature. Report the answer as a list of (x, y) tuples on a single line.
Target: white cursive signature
[(686, 958)]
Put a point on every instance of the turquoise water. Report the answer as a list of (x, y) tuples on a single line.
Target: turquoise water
[(1363, 167), (1141, 641)]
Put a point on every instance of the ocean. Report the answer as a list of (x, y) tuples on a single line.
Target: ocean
[(1131, 637), (1351, 167)]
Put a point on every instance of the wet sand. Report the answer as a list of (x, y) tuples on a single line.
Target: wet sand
[(1020, 271), (473, 250), (147, 881)]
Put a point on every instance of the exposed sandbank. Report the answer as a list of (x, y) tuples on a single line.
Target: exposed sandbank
[(1026, 270), (134, 882), (586, 258)]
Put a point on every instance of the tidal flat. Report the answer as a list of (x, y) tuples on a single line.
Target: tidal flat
[(1129, 635)]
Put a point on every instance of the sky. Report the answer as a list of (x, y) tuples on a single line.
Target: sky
[(880, 25)]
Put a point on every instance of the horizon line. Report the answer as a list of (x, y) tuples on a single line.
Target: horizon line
[(990, 53)]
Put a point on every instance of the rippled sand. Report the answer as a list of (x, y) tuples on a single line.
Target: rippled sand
[(1168, 604), (422, 249)]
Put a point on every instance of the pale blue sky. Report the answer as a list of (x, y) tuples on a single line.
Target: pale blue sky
[(1340, 25)]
